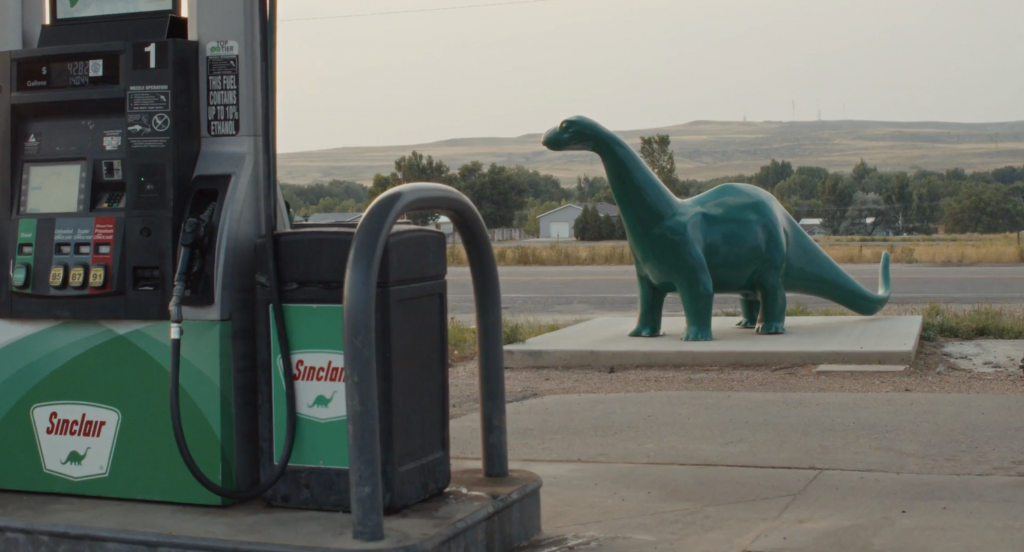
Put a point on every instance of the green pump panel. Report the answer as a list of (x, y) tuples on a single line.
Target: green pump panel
[(121, 122)]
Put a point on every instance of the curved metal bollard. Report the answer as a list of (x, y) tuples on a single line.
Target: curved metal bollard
[(360, 341)]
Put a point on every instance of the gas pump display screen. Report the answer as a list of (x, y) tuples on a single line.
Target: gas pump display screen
[(95, 70), (52, 188)]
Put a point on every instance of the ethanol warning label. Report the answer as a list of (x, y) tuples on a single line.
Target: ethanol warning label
[(222, 113)]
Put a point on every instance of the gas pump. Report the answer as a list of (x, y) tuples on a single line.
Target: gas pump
[(134, 170), (146, 246)]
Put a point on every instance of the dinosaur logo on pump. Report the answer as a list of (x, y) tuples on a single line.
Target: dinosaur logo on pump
[(319, 384), (76, 440)]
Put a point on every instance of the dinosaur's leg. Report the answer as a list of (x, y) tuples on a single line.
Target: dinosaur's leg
[(652, 300), (773, 307), (751, 308), (698, 295)]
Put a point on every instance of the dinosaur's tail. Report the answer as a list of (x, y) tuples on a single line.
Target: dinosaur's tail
[(65, 461), (310, 405), (810, 270)]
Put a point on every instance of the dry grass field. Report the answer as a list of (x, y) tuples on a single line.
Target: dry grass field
[(959, 249), (705, 149)]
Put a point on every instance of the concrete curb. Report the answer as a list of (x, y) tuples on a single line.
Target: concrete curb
[(604, 342)]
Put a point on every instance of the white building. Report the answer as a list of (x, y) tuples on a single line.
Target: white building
[(558, 223)]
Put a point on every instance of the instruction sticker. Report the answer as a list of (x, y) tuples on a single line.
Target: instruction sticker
[(222, 113), (112, 140), (149, 101), (148, 130)]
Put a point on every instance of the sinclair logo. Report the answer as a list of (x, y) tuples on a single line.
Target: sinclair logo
[(319, 384), (76, 440)]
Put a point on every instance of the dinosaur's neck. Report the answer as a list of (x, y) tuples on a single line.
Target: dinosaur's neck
[(643, 200)]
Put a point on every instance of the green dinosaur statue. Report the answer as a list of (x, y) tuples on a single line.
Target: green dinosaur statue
[(734, 238), (74, 458), (321, 401)]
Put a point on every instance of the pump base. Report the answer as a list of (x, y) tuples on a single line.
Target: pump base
[(474, 513)]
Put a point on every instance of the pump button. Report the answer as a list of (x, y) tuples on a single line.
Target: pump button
[(103, 249), (77, 277), (62, 249), (98, 276), (83, 249), (21, 276), (25, 249), (57, 274)]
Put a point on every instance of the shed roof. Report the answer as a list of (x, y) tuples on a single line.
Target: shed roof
[(602, 208), (560, 208)]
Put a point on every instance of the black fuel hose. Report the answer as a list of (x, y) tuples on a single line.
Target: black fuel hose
[(268, 37)]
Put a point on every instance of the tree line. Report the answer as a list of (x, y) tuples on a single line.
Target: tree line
[(861, 201)]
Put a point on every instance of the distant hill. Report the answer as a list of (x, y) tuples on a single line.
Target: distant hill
[(706, 149)]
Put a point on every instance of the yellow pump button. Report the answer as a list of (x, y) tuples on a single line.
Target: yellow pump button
[(77, 277), (98, 276), (57, 273)]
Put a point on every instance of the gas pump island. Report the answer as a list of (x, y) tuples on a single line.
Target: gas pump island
[(136, 172)]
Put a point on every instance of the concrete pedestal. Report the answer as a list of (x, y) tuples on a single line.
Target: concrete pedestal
[(604, 342), (474, 514)]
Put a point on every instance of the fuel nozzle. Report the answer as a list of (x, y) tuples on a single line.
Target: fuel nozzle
[(193, 240)]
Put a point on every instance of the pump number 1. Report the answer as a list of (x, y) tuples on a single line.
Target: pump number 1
[(149, 55)]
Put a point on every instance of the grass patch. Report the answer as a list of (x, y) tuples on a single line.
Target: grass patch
[(964, 249), (981, 321), (462, 337)]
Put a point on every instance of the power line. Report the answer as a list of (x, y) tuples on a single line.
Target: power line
[(471, 6)]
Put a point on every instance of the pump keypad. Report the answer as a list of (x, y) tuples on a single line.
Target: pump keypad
[(114, 200)]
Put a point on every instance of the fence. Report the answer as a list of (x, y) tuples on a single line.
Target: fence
[(496, 235)]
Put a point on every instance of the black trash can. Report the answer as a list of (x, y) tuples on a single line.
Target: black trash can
[(412, 368)]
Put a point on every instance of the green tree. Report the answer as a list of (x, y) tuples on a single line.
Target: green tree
[(382, 183), (861, 171), (771, 174), (899, 202), (656, 153), (985, 209), (607, 228), (590, 187), (302, 198), (1008, 175), (836, 198), (798, 187), (497, 193), (414, 167), (542, 187), (581, 227), (927, 196), (817, 174), (955, 175), (866, 214)]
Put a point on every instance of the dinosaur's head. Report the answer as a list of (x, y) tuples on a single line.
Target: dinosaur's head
[(574, 133)]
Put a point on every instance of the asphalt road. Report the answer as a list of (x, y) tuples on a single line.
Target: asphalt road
[(599, 290)]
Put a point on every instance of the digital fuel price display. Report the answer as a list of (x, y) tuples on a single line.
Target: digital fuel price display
[(50, 74)]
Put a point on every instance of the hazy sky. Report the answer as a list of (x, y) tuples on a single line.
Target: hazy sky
[(517, 68)]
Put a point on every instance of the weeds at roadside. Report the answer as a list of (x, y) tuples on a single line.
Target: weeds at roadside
[(984, 321), (462, 337)]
